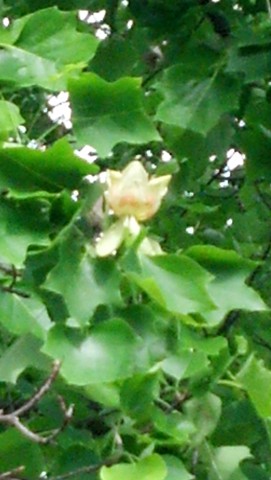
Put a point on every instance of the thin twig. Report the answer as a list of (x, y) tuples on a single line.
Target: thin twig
[(11, 289), (13, 419), (12, 473), (261, 341), (41, 391), (10, 270), (217, 173), (88, 469)]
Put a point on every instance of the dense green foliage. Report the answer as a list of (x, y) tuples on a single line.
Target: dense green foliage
[(166, 358)]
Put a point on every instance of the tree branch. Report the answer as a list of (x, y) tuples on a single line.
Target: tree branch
[(13, 419), (41, 391), (12, 473)]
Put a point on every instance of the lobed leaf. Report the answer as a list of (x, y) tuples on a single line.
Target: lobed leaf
[(105, 114)]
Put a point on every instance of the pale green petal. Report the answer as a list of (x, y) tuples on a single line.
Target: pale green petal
[(134, 171), (111, 239), (159, 185), (150, 247), (132, 225)]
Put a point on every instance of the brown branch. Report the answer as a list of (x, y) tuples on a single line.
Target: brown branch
[(12, 289), (13, 419), (218, 172), (41, 391), (14, 274), (12, 473), (10, 270)]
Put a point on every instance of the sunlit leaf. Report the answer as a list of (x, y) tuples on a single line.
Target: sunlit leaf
[(10, 118), (176, 283), (21, 315), (106, 355), (23, 353), (176, 469), (46, 49), (225, 463), (256, 379), (22, 169), (83, 282), (149, 468)]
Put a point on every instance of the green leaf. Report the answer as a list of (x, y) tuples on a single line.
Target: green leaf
[(230, 271), (16, 450), (196, 104), (10, 118), (253, 62), (22, 222), (175, 282), (240, 423), (106, 394), (176, 469), (23, 353), (115, 58), (194, 340), (73, 458), (22, 315), (23, 169), (145, 387), (225, 463), (204, 412), (256, 379), (256, 143), (105, 114), (149, 468), (83, 282), (185, 364), (173, 425), (106, 355), (48, 49), (52, 34)]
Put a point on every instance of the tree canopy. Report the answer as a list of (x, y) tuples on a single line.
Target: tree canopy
[(135, 239)]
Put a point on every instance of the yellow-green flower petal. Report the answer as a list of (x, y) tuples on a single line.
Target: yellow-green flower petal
[(111, 239), (131, 194)]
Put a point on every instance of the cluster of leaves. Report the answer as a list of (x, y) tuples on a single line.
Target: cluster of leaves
[(166, 358)]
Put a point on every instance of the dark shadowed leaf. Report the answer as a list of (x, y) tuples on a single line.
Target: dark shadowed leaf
[(196, 104), (228, 289)]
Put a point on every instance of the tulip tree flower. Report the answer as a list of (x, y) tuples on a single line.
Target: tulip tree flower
[(132, 193), (134, 198)]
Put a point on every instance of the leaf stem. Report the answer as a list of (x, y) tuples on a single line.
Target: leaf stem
[(230, 383)]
